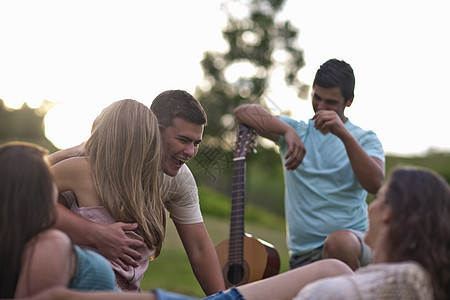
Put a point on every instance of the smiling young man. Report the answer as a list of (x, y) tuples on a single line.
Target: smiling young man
[(330, 164), (181, 121)]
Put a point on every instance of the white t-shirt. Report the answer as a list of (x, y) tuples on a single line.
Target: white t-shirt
[(405, 280), (180, 197)]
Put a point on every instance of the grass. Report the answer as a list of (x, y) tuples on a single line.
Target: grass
[(171, 270)]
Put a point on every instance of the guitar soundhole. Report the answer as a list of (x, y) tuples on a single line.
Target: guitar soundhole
[(235, 274)]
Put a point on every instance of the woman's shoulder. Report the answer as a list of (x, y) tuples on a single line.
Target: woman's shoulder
[(71, 170), (407, 279), (74, 162), (50, 241), (404, 269), (47, 261), (51, 248), (404, 280)]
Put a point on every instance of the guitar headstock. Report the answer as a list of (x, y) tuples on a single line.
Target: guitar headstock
[(245, 141)]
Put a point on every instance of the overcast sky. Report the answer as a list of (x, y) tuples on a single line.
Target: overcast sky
[(86, 54)]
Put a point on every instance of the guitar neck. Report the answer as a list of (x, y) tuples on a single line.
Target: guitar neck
[(236, 246)]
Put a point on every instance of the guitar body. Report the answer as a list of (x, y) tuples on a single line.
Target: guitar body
[(260, 260)]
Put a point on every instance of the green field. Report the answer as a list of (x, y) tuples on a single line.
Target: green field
[(171, 270)]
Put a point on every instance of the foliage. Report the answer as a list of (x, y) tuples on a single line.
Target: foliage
[(436, 161), (254, 39), (25, 124), (219, 205), (266, 180), (439, 162), (215, 171), (265, 183)]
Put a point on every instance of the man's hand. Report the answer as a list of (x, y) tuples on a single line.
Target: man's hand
[(329, 121), (113, 243), (271, 127), (296, 150), (79, 150), (61, 155)]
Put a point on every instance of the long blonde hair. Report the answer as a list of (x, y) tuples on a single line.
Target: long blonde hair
[(124, 153)]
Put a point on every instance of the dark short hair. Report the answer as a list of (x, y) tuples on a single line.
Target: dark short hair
[(336, 73), (177, 104)]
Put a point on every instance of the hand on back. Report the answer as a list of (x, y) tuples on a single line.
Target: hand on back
[(114, 244)]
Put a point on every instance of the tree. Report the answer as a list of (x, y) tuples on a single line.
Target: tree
[(259, 42), (25, 124), (255, 41)]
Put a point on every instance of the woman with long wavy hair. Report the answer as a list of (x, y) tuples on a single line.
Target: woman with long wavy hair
[(119, 180), (33, 256), (409, 232)]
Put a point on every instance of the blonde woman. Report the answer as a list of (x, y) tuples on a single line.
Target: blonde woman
[(118, 181)]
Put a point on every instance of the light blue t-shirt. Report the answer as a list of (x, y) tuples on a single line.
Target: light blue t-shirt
[(323, 195)]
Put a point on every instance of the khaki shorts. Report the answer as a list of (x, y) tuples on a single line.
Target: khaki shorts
[(365, 257)]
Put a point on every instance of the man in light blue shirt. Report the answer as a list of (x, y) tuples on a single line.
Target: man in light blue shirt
[(331, 164)]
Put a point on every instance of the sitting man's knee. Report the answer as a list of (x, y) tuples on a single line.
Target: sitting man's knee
[(341, 240), (343, 245)]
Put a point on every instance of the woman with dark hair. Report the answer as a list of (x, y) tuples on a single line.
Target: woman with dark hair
[(409, 232), (34, 257)]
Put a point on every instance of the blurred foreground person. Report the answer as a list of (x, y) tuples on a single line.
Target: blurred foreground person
[(409, 233), (33, 256)]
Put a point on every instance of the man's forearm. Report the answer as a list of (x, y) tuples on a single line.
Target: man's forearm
[(207, 270), (271, 127), (78, 228), (264, 123), (368, 170), (61, 155), (202, 256)]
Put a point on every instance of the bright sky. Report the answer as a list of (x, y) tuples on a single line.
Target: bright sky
[(86, 54)]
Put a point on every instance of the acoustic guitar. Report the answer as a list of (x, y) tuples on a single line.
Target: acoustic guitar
[(244, 258)]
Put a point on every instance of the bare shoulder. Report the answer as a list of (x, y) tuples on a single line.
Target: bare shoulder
[(50, 246), (47, 261), (71, 168), (79, 162), (50, 241), (71, 174)]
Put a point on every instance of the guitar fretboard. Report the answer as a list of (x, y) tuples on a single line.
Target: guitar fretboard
[(236, 246)]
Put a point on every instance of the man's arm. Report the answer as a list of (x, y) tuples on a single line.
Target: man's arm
[(368, 170), (202, 256), (264, 123), (61, 155), (269, 126), (110, 240)]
